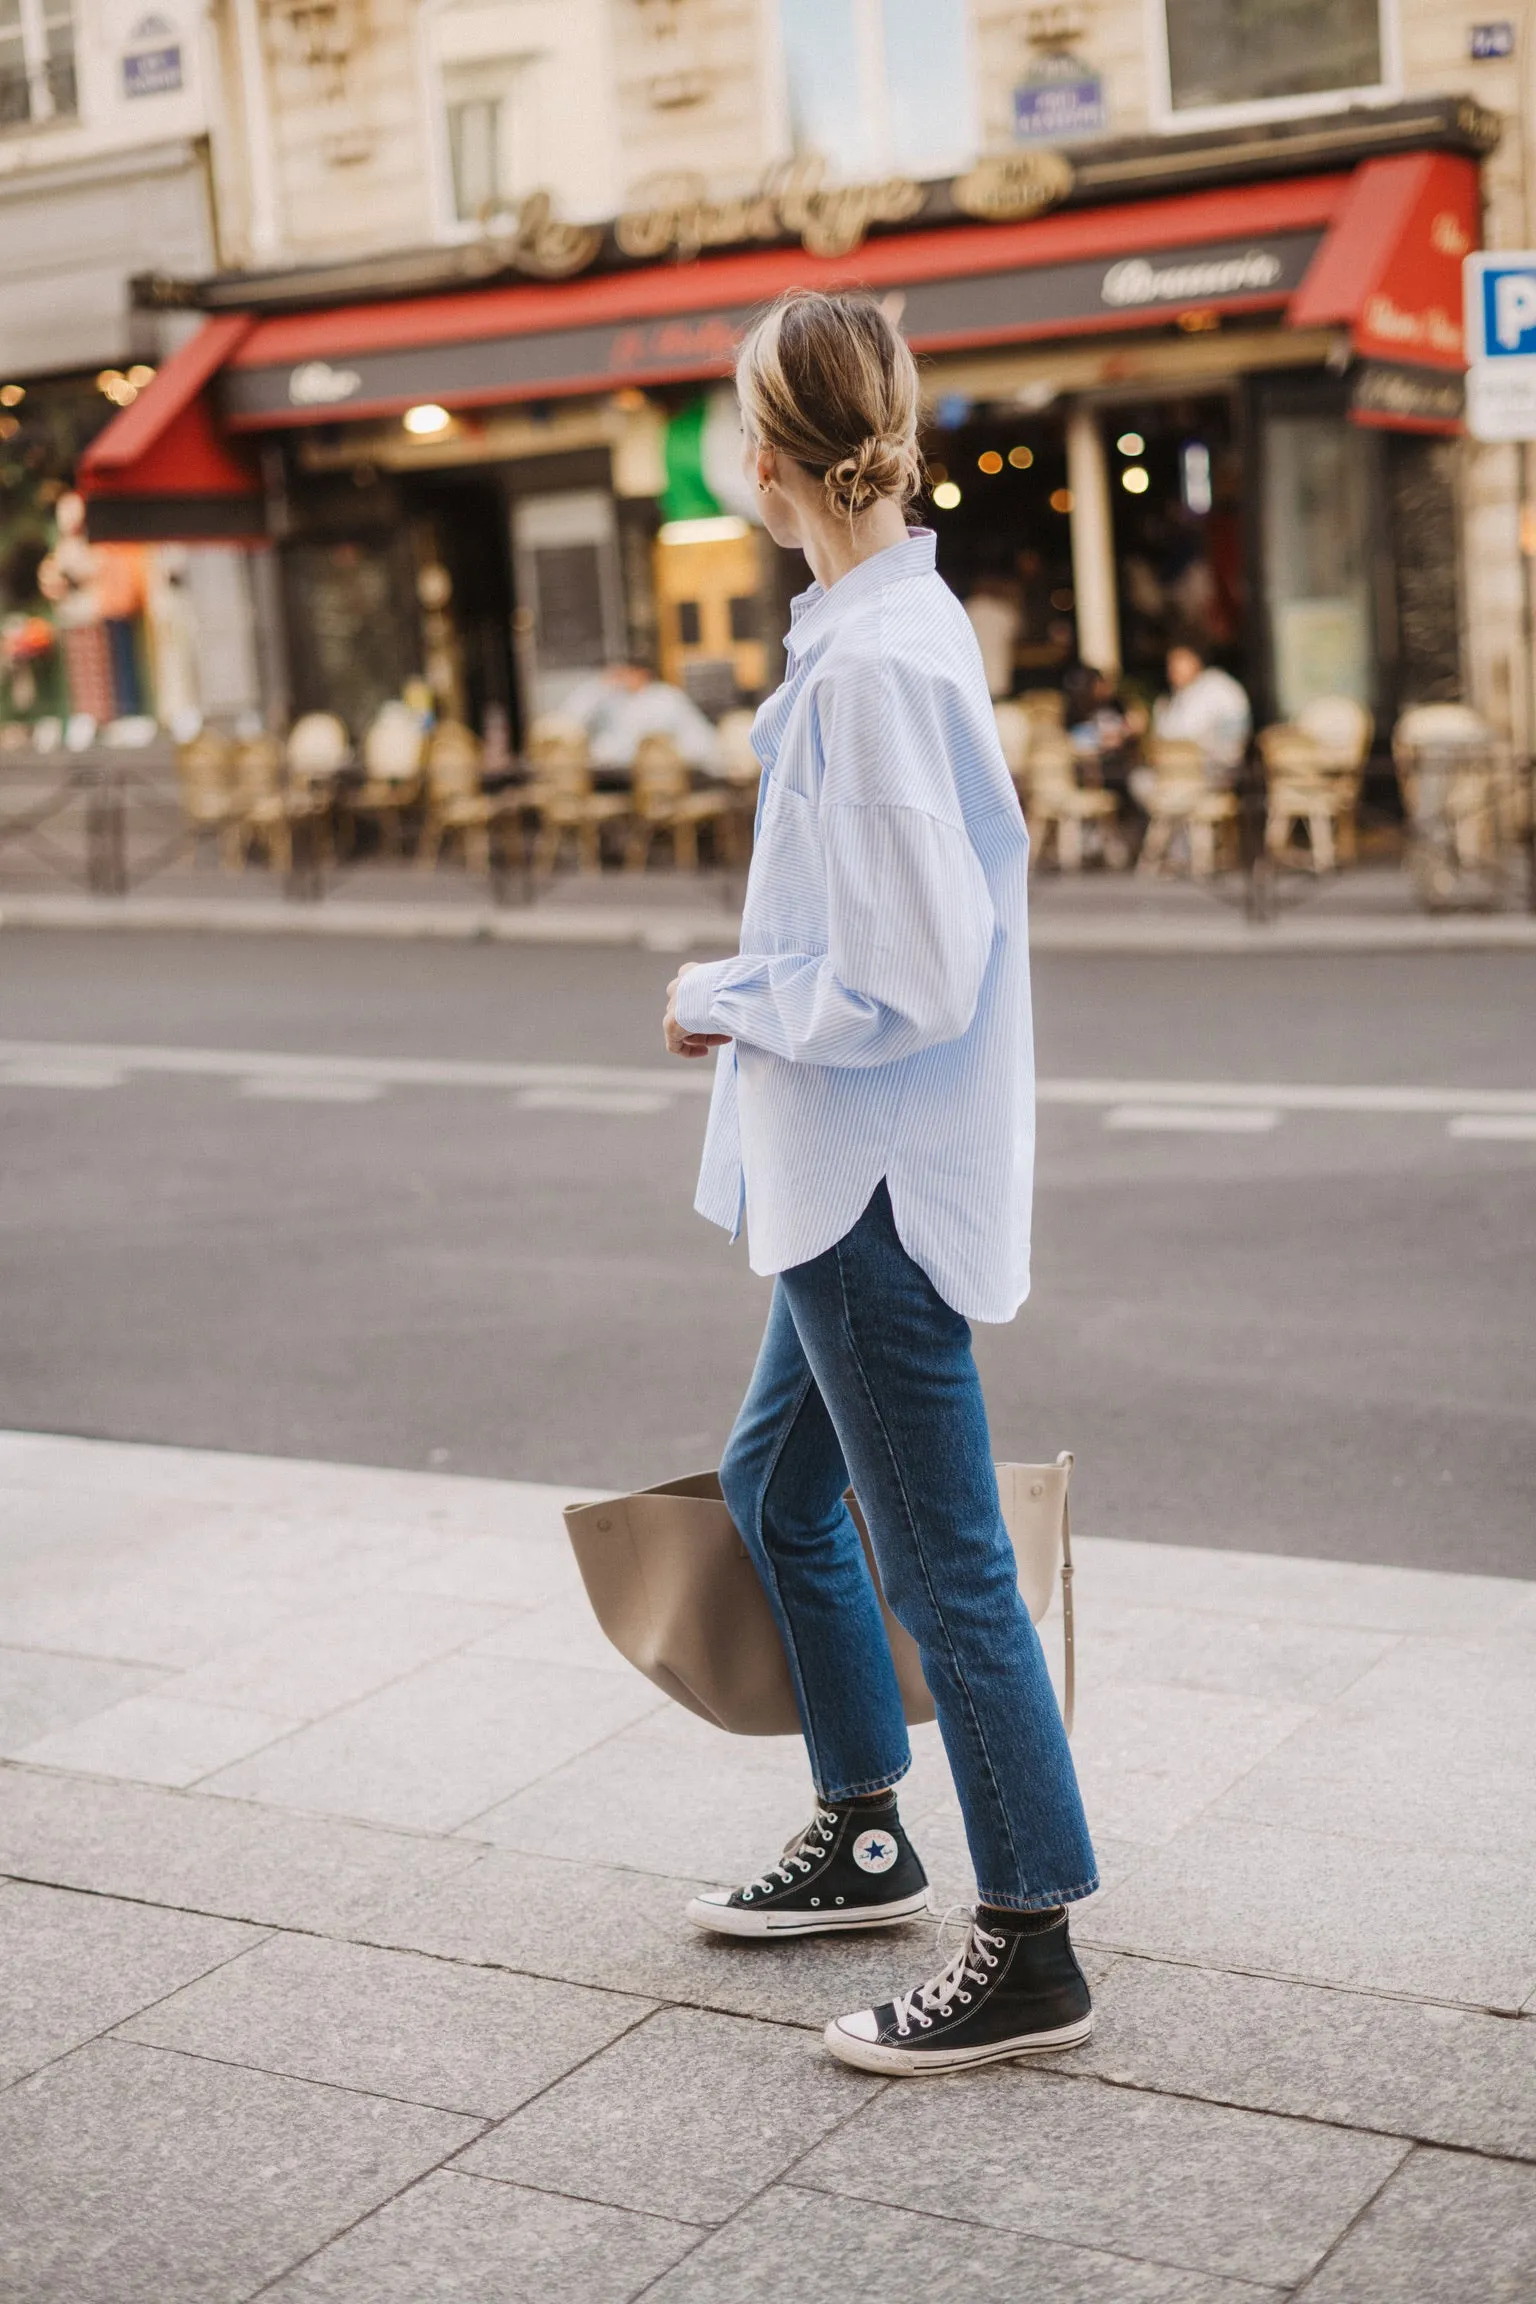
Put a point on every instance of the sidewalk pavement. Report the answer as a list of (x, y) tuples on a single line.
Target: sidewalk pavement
[(342, 1957), (1371, 910)]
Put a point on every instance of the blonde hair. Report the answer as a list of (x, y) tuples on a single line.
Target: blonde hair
[(829, 382)]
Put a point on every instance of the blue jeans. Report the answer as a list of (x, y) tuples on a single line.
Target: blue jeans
[(866, 1377)]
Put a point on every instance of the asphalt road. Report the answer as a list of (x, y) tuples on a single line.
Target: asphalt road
[(1283, 1328)]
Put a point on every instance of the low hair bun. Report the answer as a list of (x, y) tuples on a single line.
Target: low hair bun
[(830, 382), (878, 467)]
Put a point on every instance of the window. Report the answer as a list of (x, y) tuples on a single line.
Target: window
[(487, 151), (474, 153), (879, 86), (1279, 55), (37, 62)]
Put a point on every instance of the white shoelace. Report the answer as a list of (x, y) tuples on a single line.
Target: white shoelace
[(803, 1853), (972, 1964)]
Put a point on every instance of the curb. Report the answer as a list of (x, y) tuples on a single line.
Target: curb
[(658, 931)]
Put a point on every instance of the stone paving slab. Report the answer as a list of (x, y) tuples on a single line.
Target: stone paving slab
[(41, 1692), (1365, 1914), (462, 2039), (441, 1745), (1407, 2068), (129, 2176), (729, 2106), (219, 1856), (73, 1966), (1200, 2186), (456, 2239), (450, 2036), (1447, 2228), (794, 2242)]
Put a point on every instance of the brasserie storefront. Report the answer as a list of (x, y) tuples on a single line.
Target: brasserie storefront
[(1195, 381)]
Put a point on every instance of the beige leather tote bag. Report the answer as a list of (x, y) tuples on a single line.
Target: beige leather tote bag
[(674, 1588)]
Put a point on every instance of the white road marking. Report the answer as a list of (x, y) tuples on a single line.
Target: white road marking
[(60, 1062), (1195, 1119), (1494, 1127), (58, 1073), (387, 1071), (272, 1088), (591, 1100), (1269, 1095)]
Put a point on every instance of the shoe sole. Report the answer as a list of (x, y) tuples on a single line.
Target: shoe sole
[(731, 1920), (879, 2056)]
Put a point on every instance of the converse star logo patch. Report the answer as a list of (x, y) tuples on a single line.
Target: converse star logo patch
[(875, 1851)]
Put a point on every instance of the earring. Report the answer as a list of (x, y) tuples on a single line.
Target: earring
[(762, 487)]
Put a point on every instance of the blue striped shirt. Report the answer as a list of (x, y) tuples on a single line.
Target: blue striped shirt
[(879, 1007)]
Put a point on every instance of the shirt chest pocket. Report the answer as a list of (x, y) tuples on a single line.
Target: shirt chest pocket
[(786, 896)]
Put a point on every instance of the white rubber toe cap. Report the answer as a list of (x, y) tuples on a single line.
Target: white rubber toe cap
[(859, 2027), (716, 1897)]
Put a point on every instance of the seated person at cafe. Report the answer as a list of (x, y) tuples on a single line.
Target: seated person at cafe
[(1102, 724), (1206, 707), (624, 702)]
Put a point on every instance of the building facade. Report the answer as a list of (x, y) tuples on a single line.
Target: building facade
[(1186, 294)]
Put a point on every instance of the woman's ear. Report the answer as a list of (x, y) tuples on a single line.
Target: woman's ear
[(767, 470)]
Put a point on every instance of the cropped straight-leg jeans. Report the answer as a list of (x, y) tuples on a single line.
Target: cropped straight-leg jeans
[(866, 1377)]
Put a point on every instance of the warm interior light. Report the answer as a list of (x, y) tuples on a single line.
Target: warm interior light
[(989, 461), (141, 374), (1135, 480), (12, 395), (1021, 458), (113, 385), (936, 473), (426, 419), (1061, 500), (722, 530), (946, 496), (1130, 444)]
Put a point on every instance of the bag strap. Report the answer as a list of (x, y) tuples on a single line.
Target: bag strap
[(1068, 1627)]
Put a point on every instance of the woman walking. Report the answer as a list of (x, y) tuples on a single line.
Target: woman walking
[(873, 1120)]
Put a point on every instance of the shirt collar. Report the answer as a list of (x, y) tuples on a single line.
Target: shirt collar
[(814, 613)]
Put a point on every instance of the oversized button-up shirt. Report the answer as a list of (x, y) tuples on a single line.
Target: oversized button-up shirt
[(879, 1008)]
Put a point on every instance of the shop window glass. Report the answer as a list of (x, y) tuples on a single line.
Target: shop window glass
[(690, 624), (1225, 52), (743, 615), (37, 62), (1316, 574), (879, 85)]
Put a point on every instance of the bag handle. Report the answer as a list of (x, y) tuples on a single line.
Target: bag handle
[(1068, 1628)]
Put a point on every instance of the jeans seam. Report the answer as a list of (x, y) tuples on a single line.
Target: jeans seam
[(791, 1645), (938, 1613)]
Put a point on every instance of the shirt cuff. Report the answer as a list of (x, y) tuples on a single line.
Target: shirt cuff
[(696, 993)]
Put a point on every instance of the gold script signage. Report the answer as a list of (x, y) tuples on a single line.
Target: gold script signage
[(1008, 186), (797, 201), (533, 238)]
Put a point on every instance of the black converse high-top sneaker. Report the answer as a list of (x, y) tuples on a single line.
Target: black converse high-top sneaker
[(1014, 1988), (852, 1867)]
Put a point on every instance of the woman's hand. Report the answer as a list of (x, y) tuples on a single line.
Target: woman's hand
[(679, 1042)]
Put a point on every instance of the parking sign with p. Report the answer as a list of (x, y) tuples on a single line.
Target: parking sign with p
[(1501, 305)]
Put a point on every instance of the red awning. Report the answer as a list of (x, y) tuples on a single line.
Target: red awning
[(1135, 265), (165, 470), (1377, 250), (1390, 269)]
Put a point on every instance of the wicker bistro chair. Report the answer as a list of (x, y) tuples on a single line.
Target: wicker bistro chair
[(1461, 800), (277, 801), (741, 773), (561, 798), (394, 779), (211, 800), (1183, 806), (665, 803), (1314, 768), (457, 807), (1058, 809)]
